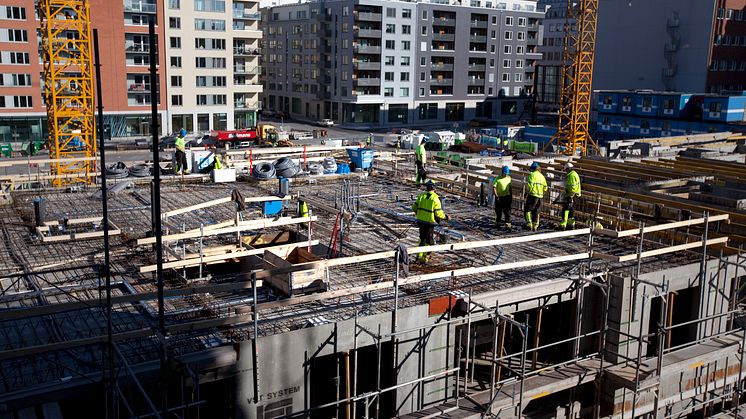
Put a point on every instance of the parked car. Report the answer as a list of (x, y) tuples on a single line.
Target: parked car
[(203, 141), (325, 123)]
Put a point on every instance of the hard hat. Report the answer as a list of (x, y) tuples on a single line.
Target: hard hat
[(534, 166), (569, 166), (430, 185), (506, 170), (183, 132)]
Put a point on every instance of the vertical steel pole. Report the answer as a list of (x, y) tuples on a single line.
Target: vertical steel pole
[(254, 341), (523, 365), (110, 411)]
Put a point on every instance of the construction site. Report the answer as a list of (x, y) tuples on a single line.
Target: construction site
[(285, 282)]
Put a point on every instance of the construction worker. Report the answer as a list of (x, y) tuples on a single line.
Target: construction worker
[(420, 158), (536, 187), (572, 191), (180, 144), (369, 140), (429, 213), (502, 190)]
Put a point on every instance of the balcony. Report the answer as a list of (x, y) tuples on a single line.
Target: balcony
[(246, 51), (368, 81), (478, 23), (482, 39), (246, 106), (441, 82), (368, 49), (477, 67), (130, 47), (140, 7), (138, 88), (247, 70), (243, 14), (368, 65), (444, 21), (447, 37), (368, 16), (368, 33), (442, 67), (474, 81)]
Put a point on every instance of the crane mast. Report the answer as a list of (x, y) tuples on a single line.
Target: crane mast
[(68, 89)]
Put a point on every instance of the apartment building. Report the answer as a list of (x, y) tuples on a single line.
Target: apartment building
[(696, 46), (213, 56), (549, 68), (378, 63), (126, 85)]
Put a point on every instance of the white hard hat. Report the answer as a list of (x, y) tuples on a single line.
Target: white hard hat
[(569, 165)]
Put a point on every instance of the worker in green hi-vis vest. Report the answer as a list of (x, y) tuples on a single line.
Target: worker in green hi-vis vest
[(572, 191), (502, 189)]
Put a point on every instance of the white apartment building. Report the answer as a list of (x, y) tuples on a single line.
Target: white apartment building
[(213, 52)]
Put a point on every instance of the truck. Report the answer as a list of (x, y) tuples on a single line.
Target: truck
[(236, 138)]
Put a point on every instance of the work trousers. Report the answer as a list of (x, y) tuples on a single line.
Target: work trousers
[(502, 208), (531, 209), (427, 237), (181, 163), (421, 172)]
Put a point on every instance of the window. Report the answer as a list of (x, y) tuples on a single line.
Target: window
[(427, 111), (219, 81), (521, 36), (209, 24), (201, 99), (174, 22), (390, 28), (519, 49), (508, 20), (423, 32), (522, 21), (175, 81), (175, 62), (404, 76), (390, 12), (219, 99), (506, 63), (13, 13), (175, 42), (200, 62), (388, 76), (424, 15), (492, 49), (508, 35), (422, 76), (716, 107), (492, 62), (201, 81), (508, 49), (506, 77), (405, 60), (388, 91), (209, 5), (423, 61), (19, 58), (174, 4), (518, 63), (406, 45), (22, 102), (406, 13), (493, 34), (406, 29), (17, 35), (518, 77), (345, 11), (494, 20), (388, 60), (345, 27), (390, 44), (345, 76), (422, 91), (177, 100), (404, 92)]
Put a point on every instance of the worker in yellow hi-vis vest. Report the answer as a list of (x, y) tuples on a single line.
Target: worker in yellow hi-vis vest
[(429, 213), (536, 187), (502, 189)]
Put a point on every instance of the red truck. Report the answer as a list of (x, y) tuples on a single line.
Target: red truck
[(235, 138)]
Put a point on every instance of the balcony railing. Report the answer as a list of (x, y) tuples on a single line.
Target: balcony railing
[(368, 81), (248, 51), (247, 106), (368, 65), (132, 47), (242, 14), (476, 67), (250, 70), (367, 16), (444, 21), (368, 49), (441, 82), (478, 23), (442, 67), (140, 7), (138, 88), (450, 37), (368, 33), (473, 81)]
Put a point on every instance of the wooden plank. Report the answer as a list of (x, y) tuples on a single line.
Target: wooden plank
[(659, 227), (196, 207), (243, 226), (288, 150), (661, 251), (45, 161), (255, 199), (185, 263)]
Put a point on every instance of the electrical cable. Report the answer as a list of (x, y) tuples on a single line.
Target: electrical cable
[(264, 171), (140, 170), (117, 170), (285, 167)]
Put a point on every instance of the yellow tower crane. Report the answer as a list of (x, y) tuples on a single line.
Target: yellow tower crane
[(68, 89), (573, 136)]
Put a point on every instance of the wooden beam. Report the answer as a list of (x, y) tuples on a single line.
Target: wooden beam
[(243, 226), (661, 251), (289, 150), (659, 227), (184, 263), (196, 207), (45, 161)]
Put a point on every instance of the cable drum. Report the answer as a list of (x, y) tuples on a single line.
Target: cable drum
[(315, 169), (264, 171), (117, 170), (285, 167), (330, 165), (140, 170)]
